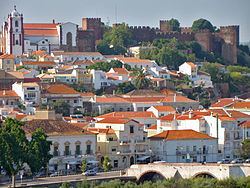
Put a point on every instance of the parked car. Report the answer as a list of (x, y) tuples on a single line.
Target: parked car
[(224, 161), (89, 173), (247, 161), (238, 160), (54, 174), (41, 174)]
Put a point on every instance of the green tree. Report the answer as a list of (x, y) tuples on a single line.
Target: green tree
[(106, 164), (13, 147), (201, 24), (61, 107), (174, 24), (106, 66), (116, 40), (246, 149), (65, 185), (140, 81), (125, 88), (84, 165), (39, 148)]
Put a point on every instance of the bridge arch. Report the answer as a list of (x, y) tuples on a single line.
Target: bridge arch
[(204, 175), (151, 175)]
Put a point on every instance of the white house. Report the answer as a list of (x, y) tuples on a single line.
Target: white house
[(60, 56), (99, 79), (160, 111), (198, 78), (70, 144), (136, 62), (131, 138), (28, 92), (184, 146)]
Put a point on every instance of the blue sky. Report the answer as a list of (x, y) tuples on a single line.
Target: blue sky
[(135, 12)]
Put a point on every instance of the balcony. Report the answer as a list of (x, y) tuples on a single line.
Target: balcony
[(67, 153), (89, 152), (125, 142), (56, 154), (125, 151)]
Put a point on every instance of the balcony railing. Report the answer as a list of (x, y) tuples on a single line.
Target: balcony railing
[(56, 153), (89, 152), (125, 142), (67, 153), (78, 153)]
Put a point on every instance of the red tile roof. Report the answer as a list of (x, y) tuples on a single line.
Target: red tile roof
[(115, 120), (39, 63), (240, 105), (121, 71), (7, 56), (177, 98), (245, 124), (191, 64), (102, 130), (180, 135), (134, 60), (223, 102), (39, 26), (165, 108), (60, 89), (42, 32), (8, 94), (129, 115)]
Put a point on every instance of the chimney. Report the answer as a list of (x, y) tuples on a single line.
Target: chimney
[(174, 97), (53, 21), (190, 114)]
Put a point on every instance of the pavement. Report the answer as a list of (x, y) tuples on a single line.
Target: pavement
[(61, 179)]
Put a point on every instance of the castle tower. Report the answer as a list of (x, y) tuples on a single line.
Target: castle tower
[(13, 34)]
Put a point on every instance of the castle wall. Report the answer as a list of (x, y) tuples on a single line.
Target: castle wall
[(95, 25), (86, 41)]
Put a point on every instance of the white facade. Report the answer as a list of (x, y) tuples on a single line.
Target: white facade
[(28, 92), (181, 151), (74, 56), (71, 149), (99, 79), (189, 69), (67, 29)]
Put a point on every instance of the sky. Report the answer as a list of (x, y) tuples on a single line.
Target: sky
[(135, 12)]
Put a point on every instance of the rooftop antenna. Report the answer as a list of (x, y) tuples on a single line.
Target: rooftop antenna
[(15, 7)]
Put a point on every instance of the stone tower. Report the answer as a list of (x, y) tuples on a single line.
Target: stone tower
[(13, 33)]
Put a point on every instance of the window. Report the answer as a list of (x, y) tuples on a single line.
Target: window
[(16, 23), (55, 151), (66, 150), (204, 158), (194, 148), (16, 42), (131, 129), (88, 151), (195, 158), (115, 163), (75, 101), (16, 30), (78, 152), (113, 149), (99, 148), (110, 139), (31, 95)]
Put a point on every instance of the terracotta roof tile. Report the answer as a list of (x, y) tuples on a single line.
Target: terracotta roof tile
[(223, 102), (102, 130), (181, 135), (52, 127), (129, 115), (115, 120), (8, 94), (60, 89), (240, 104), (121, 71), (153, 127), (165, 108), (39, 63), (245, 124), (134, 60), (7, 56)]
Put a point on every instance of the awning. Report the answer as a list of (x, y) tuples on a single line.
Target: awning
[(143, 158)]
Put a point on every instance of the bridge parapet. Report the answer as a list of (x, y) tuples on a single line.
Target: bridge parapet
[(190, 170)]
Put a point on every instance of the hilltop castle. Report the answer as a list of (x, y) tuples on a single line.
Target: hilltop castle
[(18, 37)]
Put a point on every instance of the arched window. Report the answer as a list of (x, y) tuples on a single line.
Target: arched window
[(16, 23), (69, 39)]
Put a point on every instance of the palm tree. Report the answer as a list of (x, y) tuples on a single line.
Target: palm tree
[(140, 80)]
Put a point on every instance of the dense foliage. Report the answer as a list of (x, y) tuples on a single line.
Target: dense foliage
[(16, 149), (115, 40), (246, 149), (201, 24), (174, 24), (172, 53), (61, 107), (106, 66), (170, 183)]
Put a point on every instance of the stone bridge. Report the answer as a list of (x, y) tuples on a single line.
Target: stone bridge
[(144, 172)]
